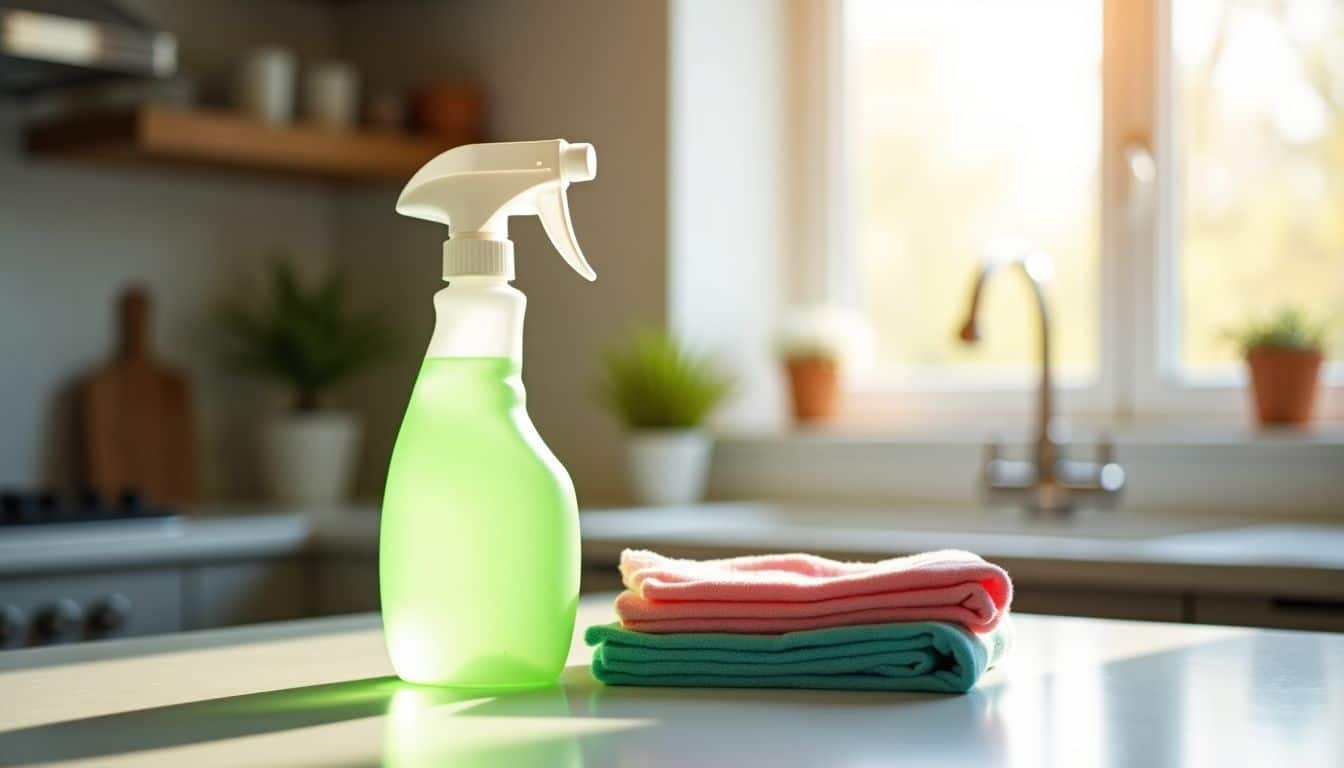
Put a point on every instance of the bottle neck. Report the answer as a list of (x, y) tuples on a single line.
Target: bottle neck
[(486, 254), (478, 317)]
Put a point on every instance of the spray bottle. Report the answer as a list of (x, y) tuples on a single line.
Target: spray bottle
[(479, 546)]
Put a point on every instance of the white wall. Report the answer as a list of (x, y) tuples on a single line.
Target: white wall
[(71, 236), (731, 175), (683, 103), (589, 70)]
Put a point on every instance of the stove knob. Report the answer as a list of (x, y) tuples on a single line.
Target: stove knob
[(59, 621), (91, 505), (11, 508), (46, 508), (109, 613), (17, 509), (13, 626), (131, 503)]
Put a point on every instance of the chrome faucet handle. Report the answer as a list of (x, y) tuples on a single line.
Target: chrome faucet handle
[(1105, 449), (993, 455), (1100, 480), (1001, 474), (993, 448), (1110, 475)]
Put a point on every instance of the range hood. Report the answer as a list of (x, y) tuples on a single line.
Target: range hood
[(49, 44)]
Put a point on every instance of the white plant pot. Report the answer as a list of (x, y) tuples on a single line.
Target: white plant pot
[(668, 466), (308, 459)]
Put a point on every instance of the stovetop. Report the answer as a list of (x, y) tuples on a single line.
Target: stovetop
[(29, 510)]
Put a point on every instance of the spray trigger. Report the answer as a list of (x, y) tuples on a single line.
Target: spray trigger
[(475, 188), (553, 210)]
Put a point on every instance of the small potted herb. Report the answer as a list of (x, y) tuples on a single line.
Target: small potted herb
[(815, 344), (1284, 353), (310, 340), (814, 381), (662, 392)]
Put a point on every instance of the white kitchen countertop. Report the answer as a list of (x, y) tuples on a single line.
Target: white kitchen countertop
[(70, 547), (1105, 550), (317, 692), (1098, 549)]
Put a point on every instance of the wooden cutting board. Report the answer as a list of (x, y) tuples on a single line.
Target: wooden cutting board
[(138, 432)]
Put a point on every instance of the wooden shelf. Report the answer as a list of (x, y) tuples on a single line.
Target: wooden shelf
[(222, 140)]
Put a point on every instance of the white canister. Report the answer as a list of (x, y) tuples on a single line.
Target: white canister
[(667, 466), (308, 458), (266, 85), (331, 95)]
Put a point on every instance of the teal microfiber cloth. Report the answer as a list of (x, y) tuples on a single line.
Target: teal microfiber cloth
[(904, 656)]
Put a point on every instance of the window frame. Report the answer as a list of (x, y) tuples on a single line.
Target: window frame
[(1138, 379)]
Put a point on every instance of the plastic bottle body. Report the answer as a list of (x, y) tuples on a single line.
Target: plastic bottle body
[(479, 547)]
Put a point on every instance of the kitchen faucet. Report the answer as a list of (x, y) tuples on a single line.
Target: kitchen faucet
[(1049, 483)]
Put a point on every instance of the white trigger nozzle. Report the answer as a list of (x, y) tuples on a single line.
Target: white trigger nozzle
[(475, 188)]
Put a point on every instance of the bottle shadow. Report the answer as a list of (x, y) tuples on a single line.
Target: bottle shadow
[(199, 721), (422, 724)]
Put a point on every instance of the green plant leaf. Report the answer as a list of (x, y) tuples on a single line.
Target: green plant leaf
[(652, 381), (310, 340), (1288, 328)]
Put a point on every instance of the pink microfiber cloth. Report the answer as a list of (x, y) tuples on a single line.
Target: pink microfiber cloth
[(770, 594)]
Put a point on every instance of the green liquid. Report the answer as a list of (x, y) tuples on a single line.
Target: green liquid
[(479, 546)]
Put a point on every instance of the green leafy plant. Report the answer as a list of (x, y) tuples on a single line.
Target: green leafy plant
[(790, 349), (310, 339), (652, 381), (1289, 328)]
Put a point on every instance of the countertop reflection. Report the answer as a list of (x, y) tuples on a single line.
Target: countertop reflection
[(319, 692)]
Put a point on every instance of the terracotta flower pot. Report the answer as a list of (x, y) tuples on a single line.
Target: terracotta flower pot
[(1284, 382), (448, 109), (815, 385)]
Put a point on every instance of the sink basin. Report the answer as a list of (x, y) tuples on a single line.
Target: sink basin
[(1009, 522), (1289, 544), (719, 517), (868, 532)]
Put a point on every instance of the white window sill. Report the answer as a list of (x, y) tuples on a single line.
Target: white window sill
[(1172, 469), (1137, 435)]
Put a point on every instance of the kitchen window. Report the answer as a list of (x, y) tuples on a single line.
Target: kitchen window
[(1182, 163)]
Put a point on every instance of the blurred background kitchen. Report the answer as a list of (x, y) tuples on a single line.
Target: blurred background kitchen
[(830, 240)]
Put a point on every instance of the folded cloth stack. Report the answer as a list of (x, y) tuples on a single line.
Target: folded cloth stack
[(930, 622)]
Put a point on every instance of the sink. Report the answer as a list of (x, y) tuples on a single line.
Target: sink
[(869, 532), (1002, 521), (714, 518), (1288, 544)]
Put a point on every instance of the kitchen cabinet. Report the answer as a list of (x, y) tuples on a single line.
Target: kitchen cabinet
[(346, 584), (600, 577), (223, 594), (1281, 611), (102, 603), (1098, 603)]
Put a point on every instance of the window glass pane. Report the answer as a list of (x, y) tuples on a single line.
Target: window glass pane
[(970, 121), (1259, 117)]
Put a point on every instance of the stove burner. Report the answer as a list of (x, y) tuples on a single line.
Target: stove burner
[(47, 508)]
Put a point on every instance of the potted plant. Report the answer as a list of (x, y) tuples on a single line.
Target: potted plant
[(814, 381), (309, 340), (1283, 352), (815, 344), (661, 391)]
